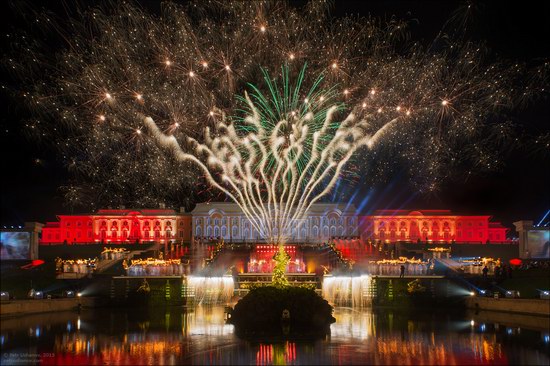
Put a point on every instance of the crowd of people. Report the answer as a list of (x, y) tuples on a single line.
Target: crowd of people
[(156, 267), (75, 265), (401, 266), (114, 253)]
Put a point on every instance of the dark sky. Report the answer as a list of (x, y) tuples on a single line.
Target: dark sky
[(516, 30)]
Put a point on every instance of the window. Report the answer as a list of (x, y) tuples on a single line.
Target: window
[(89, 234), (68, 224), (89, 223), (224, 231), (181, 233), (78, 223), (235, 231), (198, 231), (216, 222), (181, 223)]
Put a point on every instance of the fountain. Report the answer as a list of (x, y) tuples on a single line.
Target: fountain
[(211, 290), (342, 291)]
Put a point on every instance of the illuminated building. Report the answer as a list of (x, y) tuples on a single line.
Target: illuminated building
[(432, 226), (119, 226), (324, 222)]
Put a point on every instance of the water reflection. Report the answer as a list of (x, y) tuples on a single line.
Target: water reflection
[(200, 336)]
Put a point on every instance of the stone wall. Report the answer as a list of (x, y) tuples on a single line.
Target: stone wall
[(521, 306), (19, 307)]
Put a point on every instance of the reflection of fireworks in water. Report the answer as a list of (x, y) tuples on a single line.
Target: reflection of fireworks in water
[(120, 63)]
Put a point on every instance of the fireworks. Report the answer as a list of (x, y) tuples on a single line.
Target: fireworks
[(185, 68), (282, 157)]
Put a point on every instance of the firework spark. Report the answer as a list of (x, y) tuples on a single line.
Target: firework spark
[(184, 67)]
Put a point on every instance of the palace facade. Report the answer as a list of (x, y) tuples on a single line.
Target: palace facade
[(324, 221)]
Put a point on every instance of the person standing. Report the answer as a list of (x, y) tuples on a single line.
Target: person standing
[(485, 271), (402, 271)]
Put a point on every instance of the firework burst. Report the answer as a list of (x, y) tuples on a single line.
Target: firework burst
[(185, 66)]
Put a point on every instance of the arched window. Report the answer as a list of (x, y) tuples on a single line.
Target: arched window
[(181, 223), (209, 231), (333, 231), (224, 231), (332, 222), (235, 231), (325, 231), (216, 231), (198, 231), (216, 222), (315, 232)]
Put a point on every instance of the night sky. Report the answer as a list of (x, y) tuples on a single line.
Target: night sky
[(32, 172)]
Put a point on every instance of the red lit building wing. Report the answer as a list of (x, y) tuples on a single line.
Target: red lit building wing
[(119, 226)]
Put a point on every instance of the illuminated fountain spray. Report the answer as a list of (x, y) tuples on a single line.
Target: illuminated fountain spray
[(345, 291), (284, 156), (211, 290)]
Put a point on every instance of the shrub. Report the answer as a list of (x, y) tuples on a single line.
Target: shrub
[(262, 307)]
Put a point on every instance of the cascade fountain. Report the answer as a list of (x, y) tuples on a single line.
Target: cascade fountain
[(342, 291), (211, 290)]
